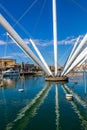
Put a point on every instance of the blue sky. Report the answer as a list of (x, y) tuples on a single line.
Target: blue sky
[(33, 19)]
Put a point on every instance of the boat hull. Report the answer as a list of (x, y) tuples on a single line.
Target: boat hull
[(69, 97), (10, 73)]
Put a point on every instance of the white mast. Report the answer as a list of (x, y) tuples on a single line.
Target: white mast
[(40, 56), (71, 54), (80, 57), (82, 62), (55, 35), (76, 53), (73, 49)]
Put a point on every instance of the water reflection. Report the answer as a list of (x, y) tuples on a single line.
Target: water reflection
[(76, 96), (7, 82), (57, 107), (29, 110), (76, 108), (23, 119), (84, 81), (4, 103)]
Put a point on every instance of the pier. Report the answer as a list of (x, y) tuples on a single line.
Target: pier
[(56, 79)]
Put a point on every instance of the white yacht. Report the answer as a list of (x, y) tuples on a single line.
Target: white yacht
[(10, 73)]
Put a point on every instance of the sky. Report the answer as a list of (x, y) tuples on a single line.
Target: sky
[(33, 19)]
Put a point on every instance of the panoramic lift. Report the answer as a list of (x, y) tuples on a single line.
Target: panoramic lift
[(19, 41), (57, 77), (78, 53)]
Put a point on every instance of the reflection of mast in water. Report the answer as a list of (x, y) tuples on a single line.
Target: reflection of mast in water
[(5, 105), (57, 108), (29, 111), (77, 97), (22, 80), (84, 80), (9, 82), (79, 113)]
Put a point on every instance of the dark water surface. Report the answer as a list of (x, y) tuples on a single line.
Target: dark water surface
[(42, 105)]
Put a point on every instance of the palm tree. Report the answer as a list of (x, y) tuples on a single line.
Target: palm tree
[(5, 64)]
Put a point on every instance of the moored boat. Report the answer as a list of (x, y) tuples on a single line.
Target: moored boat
[(69, 97), (20, 90), (10, 73)]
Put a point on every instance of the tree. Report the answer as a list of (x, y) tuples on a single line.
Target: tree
[(5, 64)]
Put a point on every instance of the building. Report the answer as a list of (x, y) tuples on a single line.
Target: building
[(7, 63), (28, 67), (81, 67)]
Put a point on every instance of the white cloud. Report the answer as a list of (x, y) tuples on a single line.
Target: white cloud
[(39, 42), (70, 40), (6, 57), (4, 42), (43, 43), (22, 55)]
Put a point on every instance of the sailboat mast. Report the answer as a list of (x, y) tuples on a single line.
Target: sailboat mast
[(55, 35)]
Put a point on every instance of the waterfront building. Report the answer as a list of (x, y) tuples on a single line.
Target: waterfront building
[(7, 63)]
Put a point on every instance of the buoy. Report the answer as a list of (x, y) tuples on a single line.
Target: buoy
[(69, 97), (20, 90)]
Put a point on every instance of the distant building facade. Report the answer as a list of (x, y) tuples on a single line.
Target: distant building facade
[(81, 67), (28, 67), (6, 63)]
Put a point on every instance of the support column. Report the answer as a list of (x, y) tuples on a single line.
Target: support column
[(55, 35), (40, 56)]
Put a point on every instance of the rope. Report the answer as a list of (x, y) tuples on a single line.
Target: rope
[(39, 16), (80, 6), (26, 12), (17, 21)]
